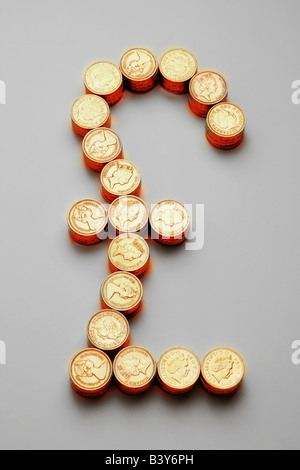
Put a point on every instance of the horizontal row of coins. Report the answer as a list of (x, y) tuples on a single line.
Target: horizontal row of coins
[(134, 368), (128, 219), (177, 71)]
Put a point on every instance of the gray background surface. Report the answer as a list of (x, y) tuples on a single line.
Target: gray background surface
[(241, 290)]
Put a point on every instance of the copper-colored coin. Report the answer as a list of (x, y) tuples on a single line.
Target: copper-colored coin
[(89, 112), (120, 178), (178, 370), (207, 88), (128, 214), (225, 124), (140, 69), (87, 220), (169, 222), (101, 146), (108, 330), (129, 252), (122, 291), (222, 371), (104, 79), (176, 68), (90, 372), (134, 369)]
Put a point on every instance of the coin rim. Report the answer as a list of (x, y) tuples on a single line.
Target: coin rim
[(106, 383), (217, 133), (129, 274), (171, 386), (97, 129), (84, 126), (220, 349), (92, 232), (103, 62), (209, 103), (118, 314), (119, 162), (137, 80), (176, 234), (134, 386), (172, 79)]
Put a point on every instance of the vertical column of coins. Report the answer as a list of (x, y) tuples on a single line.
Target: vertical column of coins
[(169, 222), (178, 370), (122, 291), (176, 68), (128, 214), (140, 70), (87, 220), (104, 79), (225, 124), (108, 330), (89, 112), (119, 178), (129, 252), (207, 88), (101, 146)]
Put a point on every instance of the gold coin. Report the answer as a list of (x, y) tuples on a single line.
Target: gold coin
[(101, 146), (90, 372), (138, 64), (104, 79), (169, 222), (122, 291), (87, 220), (128, 214), (207, 88), (108, 330), (89, 112), (120, 178), (178, 370), (176, 68), (134, 369), (222, 370), (129, 252), (226, 120)]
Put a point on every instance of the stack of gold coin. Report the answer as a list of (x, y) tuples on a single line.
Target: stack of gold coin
[(134, 369), (104, 79), (225, 124), (108, 330), (140, 70), (222, 371), (128, 214), (176, 68), (87, 220), (122, 291), (101, 146), (129, 252), (169, 221), (120, 178), (89, 112), (178, 370), (91, 373), (207, 88)]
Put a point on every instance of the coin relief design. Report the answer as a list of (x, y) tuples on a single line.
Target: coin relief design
[(208, 87), (226, 119), (108, 330), (222, 368), (129, 252), (90, 111), (135, 368), (102, 145), (169, 218), (87, 217), (178, 65), (103, 78), (90, 369), (179, 369), (138, 64), (120, 177), (122, 291), (128, 214)]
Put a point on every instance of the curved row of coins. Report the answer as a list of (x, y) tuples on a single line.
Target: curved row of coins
[(135, 369), (177, 72)]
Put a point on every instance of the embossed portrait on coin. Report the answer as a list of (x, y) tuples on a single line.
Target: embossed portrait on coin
[(138, 63), (133, 367), (123, 290), (104, 145), (178, 367), (122, 175), (222, 367), (89, 112), (169, 217), (84, 214), (108, 328), (129, 250), (102, 79), (176, 65), (87, 369), (128, 213), (225, 120), (206, 86)]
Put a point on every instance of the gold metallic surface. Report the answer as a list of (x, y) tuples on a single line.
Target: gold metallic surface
[(89, 112), (222, 370), (178, 370), (90, 372), (128, 214), (177, 67), (120, 178), (129, 252), (207, 88), (226, 120), (139, 67), (104, 79), (122, 291), (108, 330), (169, 222), (101, 146), (134, 369), (87, 221)]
